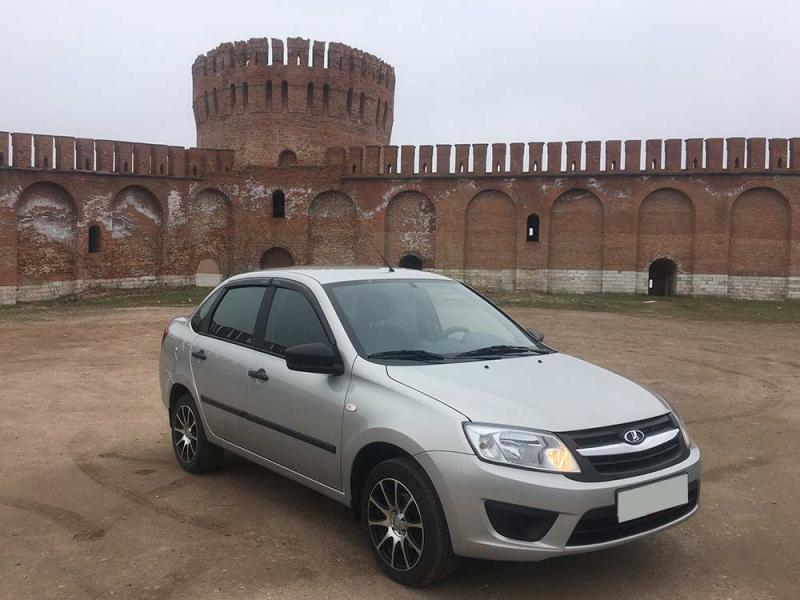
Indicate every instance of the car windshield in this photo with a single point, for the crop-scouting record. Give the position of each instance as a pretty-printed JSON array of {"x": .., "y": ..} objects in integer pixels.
[{"x": 426, "y": 321}]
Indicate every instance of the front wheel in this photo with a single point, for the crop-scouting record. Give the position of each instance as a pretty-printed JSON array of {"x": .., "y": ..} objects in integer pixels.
[
  {"x": 194, "y": 452},
  {"x": 405, "y": 524}
]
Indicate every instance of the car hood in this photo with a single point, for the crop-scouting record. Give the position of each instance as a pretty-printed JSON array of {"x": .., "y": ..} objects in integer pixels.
[{"x": 553, "y": 392}]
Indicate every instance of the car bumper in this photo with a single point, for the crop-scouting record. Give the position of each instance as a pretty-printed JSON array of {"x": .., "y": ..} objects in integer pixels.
[{"x": 465, "y": 483}]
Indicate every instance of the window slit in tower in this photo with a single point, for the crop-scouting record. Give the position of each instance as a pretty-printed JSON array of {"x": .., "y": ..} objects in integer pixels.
[
  {"x": 233, "y": 95},
  {"x": 535, "y": 166},
  {"x": 310, "y": 97},
  {"x": 245, "y": 94},
  {"x": 326, "y": 98},
  {"x": 694, "y": 163},
  {"x": 613, "y": 165},
  {"x": 205, "y": 101},
  {"x": 216, "y": 104},
  {"x": 350, "y": 101},
  {"x": 268, "y": 95},
  {"x": 45, "y": 163},
  {"x": 88, "y": 165},
  {"x": 736, "y": 163},
  {"x": 780, "y": 163},
  {"x": 285, "y": 95},
  {"x": 362, "y": 101}
]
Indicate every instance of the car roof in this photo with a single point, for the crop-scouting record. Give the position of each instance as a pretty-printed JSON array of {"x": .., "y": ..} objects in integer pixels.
[{"x": 330, "y": 274}]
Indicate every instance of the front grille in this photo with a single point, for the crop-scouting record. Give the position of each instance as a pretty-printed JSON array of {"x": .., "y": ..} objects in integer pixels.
[
  {"x": 622, "y": 464},
  {"x": 600, "y": 524},
  {"x": 630, "y": 464}
]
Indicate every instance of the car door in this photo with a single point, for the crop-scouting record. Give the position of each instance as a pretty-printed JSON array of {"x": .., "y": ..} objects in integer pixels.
[
  {"x": 296, "y": 418},
  {"x": 220, "y": 355}
]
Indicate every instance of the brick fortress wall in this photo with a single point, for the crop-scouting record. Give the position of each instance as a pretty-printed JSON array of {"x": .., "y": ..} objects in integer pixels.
[{"x": 575, "y": 216}]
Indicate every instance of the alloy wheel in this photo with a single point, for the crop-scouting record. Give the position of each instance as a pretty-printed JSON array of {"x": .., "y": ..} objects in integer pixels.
[
  {"x": 395, "y": 524},
  {"x": 184, "y": 433}
]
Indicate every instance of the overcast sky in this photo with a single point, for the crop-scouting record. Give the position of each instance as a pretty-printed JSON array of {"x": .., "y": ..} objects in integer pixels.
[{"x": 467, "y": 71}]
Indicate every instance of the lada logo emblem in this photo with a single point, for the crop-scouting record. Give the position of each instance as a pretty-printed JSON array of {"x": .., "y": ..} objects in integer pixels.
[{"x": 634, "y": 436}]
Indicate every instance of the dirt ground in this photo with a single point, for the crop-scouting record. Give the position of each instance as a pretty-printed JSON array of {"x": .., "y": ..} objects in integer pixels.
[{"x": 92, "y": 503}]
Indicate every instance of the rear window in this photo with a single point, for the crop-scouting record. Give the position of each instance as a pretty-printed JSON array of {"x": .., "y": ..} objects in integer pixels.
[{"x": 235, "y": 316}]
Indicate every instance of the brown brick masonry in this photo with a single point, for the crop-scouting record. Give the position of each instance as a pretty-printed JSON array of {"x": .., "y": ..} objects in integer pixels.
[{"x": 311, "y": 177}]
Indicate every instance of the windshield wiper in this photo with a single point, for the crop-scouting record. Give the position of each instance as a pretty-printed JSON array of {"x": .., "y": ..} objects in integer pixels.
[
  {"x": 501, "y": 349},
  {"x": 423, "y": 355}
]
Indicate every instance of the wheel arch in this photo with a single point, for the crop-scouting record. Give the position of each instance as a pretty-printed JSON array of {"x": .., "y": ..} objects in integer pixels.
[
  {"x": 176, "y": 391},
  {"x": 364, "y": 461}
]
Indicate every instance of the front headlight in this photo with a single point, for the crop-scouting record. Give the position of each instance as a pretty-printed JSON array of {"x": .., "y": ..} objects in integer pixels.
[{"x": 520, "y": 448}]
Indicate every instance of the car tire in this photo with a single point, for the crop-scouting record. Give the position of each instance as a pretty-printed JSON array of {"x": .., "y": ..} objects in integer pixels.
[
  {"x": 405, "y": 524},
  {"x": 193, "y": 451}
]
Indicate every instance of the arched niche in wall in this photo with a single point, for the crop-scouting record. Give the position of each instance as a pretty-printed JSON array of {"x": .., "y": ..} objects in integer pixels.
[
  {"x": 46, "y": 224},
  {"x": 332, "y": 229},
  {"x": 489, "y": 228},
  {"x": 136, "y": 235},
  {"x": 576, "y": 242},
  {"x": 211, "y": 226},
  {"x": 759, "y": 243},
  {"x": 410, "y": 227},
  {"x": 276, "y": 257},
  {"x": 666, "y": 228}
]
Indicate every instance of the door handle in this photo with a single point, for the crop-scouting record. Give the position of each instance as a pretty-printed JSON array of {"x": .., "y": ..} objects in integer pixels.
[
  {"x": 199, "y": 354},
  {"x": 260, "y": 374}
]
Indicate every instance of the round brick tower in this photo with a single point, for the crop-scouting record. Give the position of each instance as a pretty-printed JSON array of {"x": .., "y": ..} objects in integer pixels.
[{"x": 277, "y": 108}]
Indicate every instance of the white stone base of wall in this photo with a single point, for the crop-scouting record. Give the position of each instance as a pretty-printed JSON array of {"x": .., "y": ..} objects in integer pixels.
[
  {"x": 574, "y": 281},
  {"x": 628, "y": 282},
  {"x": 491, "y": 279},
  {"x": 709, "y": 285},
  {"x": 619, "y": 282},
  {"x": 532, "y": 280},
  {"x": 758, "y": 288},
  {"x": 207, "y": 279},
  {"x": 793, "y": 292},
  {"x": 54, "y": 289}
]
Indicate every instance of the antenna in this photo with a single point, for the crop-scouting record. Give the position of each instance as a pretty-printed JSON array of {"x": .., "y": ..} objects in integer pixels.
[{"x": 383, "y": 258}]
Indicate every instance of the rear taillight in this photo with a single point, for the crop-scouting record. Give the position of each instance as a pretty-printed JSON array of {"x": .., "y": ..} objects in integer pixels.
[{"x": 164, "y": 335}]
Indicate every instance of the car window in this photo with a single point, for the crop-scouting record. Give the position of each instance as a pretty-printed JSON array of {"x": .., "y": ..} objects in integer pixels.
[
  {"x": 235, "y": 316},
  {"x": 204, "y": 310},
  {"x": 291, "y": 321},
  {"x": 432, "y": 316}
]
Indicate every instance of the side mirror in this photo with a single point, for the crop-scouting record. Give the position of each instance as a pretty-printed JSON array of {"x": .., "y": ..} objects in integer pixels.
[
  {"x": 315, "y": 357},
  {"x": 536, "y": 334}
]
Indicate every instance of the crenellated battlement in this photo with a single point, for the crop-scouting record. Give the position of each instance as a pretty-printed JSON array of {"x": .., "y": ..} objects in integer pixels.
[
  {"x": 65, "y": 153},
  {"x": 263, "y": 53},
  {"x": 653, "y": 156},
  {"x": 264, "y": 97}
]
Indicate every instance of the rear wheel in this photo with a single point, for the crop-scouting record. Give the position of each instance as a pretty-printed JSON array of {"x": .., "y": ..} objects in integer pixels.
[
  {"x": 405, "y": 524},
  {"x": 192, "y": 449}
]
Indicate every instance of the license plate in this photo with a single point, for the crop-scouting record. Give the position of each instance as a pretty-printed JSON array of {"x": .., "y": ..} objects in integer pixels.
[{"x": 653, "y": 497}]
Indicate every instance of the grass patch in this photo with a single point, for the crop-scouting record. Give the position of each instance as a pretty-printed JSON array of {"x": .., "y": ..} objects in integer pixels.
[
  {"x": 110, "y": 298},
  {"x": 686, "y": 307}
]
